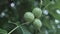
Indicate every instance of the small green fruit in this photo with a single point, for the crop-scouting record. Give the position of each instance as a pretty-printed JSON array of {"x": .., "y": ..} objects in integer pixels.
[
  {"x": 37, "y": 24},
  {"x": 37, "y": 12},
  {"x": 29, "y": 17}
]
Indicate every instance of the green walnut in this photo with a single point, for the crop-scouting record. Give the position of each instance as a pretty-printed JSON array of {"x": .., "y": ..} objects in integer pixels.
[
  {"x": 37, "y": 23},
  {"x": 29, "y": 17},
  {"x": 37, "y": 12}
]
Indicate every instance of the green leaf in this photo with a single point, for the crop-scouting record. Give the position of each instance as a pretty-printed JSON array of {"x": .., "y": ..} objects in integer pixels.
[
  {"x": 46, "y": 2},
  {"x": 25, "y": 31},
  {"x": 8, "y": 26},
  {"x": 17, "y": 31},
  {"x": 46, "y": 22},
  {"x": 52, "y": 11},
  {"x": 21, "y": 30},
  {"x": 58, "y": 31},
  {"x": 2, "y": 31},
  {"x": 55, "y": 15},
  {"x": 31, "y": 28},
  {"x": 57, "y": 4}
]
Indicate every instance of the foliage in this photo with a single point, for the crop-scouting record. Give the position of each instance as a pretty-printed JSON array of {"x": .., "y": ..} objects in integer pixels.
[{"x": 12, "y": 16}]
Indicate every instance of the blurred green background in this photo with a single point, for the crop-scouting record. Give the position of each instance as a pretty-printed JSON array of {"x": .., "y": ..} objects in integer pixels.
[{"x": 12, "y": 12}]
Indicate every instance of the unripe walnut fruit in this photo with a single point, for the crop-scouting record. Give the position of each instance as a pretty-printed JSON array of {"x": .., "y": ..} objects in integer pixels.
[
  {"x": 37, "y": 23},
  {"x": 29, "y": 17},
  {"x": 37, "y": 12}
]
